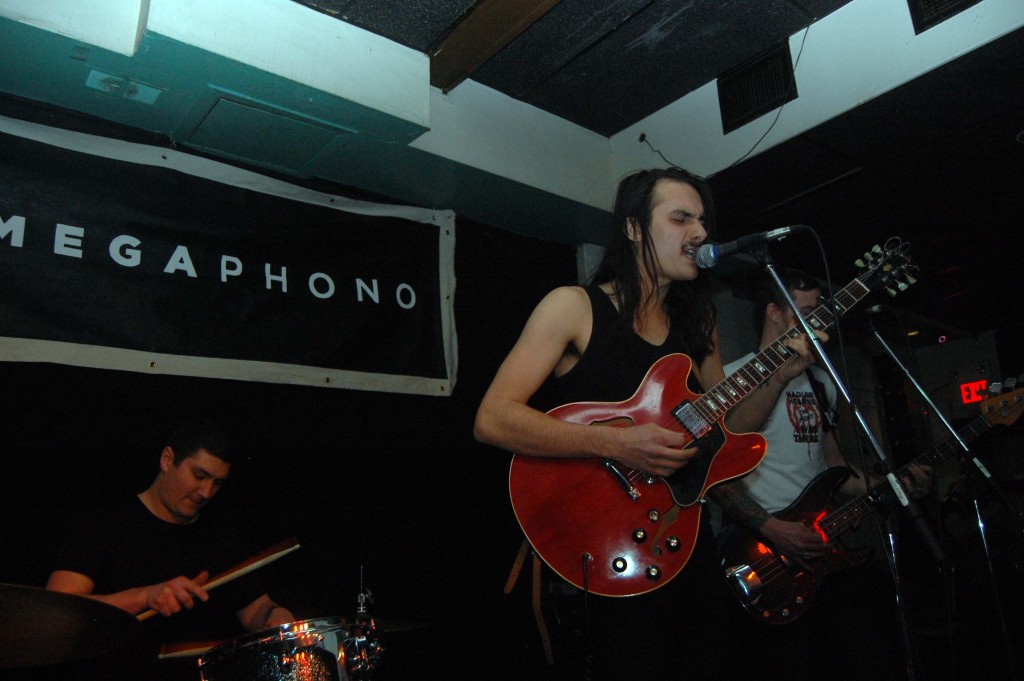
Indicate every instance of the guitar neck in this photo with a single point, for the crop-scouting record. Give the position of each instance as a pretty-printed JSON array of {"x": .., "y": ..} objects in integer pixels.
[
  {"x": 849, "y": 515},
  {"x": 714, "y": 404}
]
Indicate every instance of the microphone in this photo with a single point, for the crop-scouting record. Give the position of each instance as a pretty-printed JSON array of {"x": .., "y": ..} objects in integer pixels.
[{"x": 708, "y": 255}]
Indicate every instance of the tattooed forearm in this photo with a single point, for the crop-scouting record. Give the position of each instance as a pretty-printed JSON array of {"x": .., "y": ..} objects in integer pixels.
[{"x": 734, "y": 499}]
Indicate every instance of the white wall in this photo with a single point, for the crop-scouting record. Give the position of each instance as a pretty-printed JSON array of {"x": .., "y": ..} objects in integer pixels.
[{"x": 858, "y": 52}]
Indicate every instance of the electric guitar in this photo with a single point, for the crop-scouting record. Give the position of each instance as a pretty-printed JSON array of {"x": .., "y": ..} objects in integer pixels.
[
  {"x": 615, "y": 531},
  {"x": 775, "y": 589}
]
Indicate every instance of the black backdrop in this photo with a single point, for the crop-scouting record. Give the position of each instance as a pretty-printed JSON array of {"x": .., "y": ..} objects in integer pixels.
[{"x": 394, "y": 484}]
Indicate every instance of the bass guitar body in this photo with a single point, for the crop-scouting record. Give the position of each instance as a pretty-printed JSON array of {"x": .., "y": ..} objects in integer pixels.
[
  {"x": 771, "y": 586},
  {"x": 615, "y": 531}
]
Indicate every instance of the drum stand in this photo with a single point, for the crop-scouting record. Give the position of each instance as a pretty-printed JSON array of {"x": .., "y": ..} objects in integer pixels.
[{"x": 365, "y": 637}]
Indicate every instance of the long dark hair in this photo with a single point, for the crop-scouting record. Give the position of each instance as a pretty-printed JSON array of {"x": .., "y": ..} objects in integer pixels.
[{"x": 689, "y": 306}]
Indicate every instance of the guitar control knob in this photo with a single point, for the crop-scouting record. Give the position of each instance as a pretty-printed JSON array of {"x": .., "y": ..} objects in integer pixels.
[
  {"x": 673, "y": 544},
  {"x": 799, "y": 600},
  {"x": 785, "y": 612},
  {"x": 653, "y": 572},
  {"x": 619, "y": 564},
  {"x": 639, "y": 535},
  {"x": 653, "y": 515}
]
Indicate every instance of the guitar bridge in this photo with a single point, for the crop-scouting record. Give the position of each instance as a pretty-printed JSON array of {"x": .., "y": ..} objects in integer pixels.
[{"x": 745, "y": 582}]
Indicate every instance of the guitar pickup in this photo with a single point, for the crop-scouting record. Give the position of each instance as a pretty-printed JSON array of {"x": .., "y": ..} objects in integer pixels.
[{"x": 691, "y": 419}]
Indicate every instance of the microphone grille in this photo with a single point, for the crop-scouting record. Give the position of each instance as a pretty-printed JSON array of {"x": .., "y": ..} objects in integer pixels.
[{"x": 706, "y": 257}]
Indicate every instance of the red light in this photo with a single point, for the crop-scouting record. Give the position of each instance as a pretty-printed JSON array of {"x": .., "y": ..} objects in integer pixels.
[
  {"x": 817, "y": 528},
  {"x": 972, "y": 391}
]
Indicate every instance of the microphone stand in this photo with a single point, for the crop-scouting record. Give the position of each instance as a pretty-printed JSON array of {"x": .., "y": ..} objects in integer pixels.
[
  {"x": 908, "y": 646},
  {"x": 968, "y": 456}
]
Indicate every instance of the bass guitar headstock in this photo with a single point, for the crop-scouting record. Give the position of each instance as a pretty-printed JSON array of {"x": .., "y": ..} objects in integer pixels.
[
  {"x": 1004, "y": 408},
  {"x": 887, "y": 267}
]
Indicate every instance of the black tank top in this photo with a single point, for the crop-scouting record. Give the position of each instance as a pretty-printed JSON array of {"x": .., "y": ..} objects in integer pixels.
[
  {"x": 676, "y": 630},
  {"x": 617, "y": 358}
]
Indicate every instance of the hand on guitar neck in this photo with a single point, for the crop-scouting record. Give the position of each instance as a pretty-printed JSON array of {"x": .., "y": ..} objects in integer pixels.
[
  {"x": 761, "y": 567},
  {"x": 801, "y": 543}
]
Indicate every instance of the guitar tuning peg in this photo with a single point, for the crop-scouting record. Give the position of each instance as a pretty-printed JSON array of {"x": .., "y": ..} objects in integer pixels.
[
  {"x": 995, "y": 387},
  {"x": 901, "y": 286},
  {"x": 859, "y": 263},
  {"x": 1011, "y": 383},
  {"x": 892, "y": 293},
  {"x": 911, "y": 279},
  {"x": 877, "y": 250}
]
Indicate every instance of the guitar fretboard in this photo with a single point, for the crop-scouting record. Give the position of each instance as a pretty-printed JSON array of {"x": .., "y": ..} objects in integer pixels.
[
  {"x": 848, "y": 515},
  {"x": 714, "y": 404}
]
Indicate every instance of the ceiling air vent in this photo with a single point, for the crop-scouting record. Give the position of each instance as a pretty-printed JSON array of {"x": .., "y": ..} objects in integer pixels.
[
  {"x": 756, "y": 87},
  {"x": 928, "y": 13}
]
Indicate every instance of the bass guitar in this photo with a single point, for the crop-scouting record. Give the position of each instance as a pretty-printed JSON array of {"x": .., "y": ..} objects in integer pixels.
[
  {"x": 615, "y": 531},
  {"x": 775, "y": 589}
]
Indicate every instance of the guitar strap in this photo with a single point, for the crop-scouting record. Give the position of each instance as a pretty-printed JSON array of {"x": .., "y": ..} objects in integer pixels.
[
  {"x": 828, "y": 414},
  {"x": 535, "y": 593}
]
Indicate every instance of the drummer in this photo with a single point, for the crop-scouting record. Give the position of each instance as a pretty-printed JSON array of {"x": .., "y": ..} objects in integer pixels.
[{"x": 153, "y": 551}]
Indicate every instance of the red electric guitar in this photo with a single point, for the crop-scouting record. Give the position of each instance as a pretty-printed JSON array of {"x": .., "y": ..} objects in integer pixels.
[
  {"x": 616, "y": 531},
  {"x": 776, "y": 590}
]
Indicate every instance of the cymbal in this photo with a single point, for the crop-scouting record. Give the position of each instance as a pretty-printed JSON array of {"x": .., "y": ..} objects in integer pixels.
[{"x": 39, "y": 627}]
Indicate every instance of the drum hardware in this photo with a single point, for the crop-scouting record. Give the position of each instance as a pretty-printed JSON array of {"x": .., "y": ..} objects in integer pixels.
[
  {"x": 366, "y": 645},
  {"x": 330, "y": 649}
]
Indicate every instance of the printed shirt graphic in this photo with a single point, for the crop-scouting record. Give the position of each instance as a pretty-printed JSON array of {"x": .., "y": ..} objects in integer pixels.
[
  {"x": 794, "y": 434},
  {"x": 805, "y": 416}
]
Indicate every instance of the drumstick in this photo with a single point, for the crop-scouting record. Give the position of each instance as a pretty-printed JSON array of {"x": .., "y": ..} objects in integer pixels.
[
  {"x": 169, "y": 651},
  {"x": 262, "y": 558}
]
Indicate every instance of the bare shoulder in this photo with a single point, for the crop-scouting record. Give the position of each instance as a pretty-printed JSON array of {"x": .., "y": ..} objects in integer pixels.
[
  {"x": 567, "y": 297},
  {"x": 561, "y": 320},
  {"x": 563, "y": 307}
]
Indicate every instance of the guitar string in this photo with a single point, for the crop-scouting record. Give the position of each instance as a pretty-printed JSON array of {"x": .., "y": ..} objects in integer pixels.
[
  {"x": 739, "y": 388},
  {"x": 755, "y": 375},
  {"x": 849, "y": 514},
  {"x": 771, "y": 567}
]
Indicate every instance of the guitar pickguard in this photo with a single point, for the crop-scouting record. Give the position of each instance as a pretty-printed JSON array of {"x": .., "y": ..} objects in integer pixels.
[{"x": 688, "y": 483}]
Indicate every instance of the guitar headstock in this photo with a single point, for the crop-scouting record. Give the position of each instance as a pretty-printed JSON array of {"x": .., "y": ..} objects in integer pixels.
[
  {"x": 887, "y": 267},
  {"x": 1003, "y": 409}
]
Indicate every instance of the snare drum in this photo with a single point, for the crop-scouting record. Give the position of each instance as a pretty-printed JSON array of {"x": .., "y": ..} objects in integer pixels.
[{"x": 331, "y": 649}]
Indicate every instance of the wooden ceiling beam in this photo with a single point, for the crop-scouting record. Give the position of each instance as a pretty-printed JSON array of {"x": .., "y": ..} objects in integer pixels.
[{"x": 490, "y": 26}]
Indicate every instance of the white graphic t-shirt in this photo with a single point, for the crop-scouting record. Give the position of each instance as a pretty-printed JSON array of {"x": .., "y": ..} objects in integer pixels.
[{"x": 794, "y": 431}]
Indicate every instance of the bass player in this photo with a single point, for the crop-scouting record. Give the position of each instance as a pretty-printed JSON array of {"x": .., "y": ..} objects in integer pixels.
[{"x": 802, "y": 443}]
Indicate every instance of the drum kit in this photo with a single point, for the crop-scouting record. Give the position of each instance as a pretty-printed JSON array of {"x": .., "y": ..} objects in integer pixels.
[{"x": 328, "y": 649}]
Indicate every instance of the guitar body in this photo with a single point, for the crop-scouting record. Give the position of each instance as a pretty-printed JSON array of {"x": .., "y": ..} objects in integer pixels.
[
  {"x": 636, "y": 542},
  {"x": 770, "y": 586}
]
